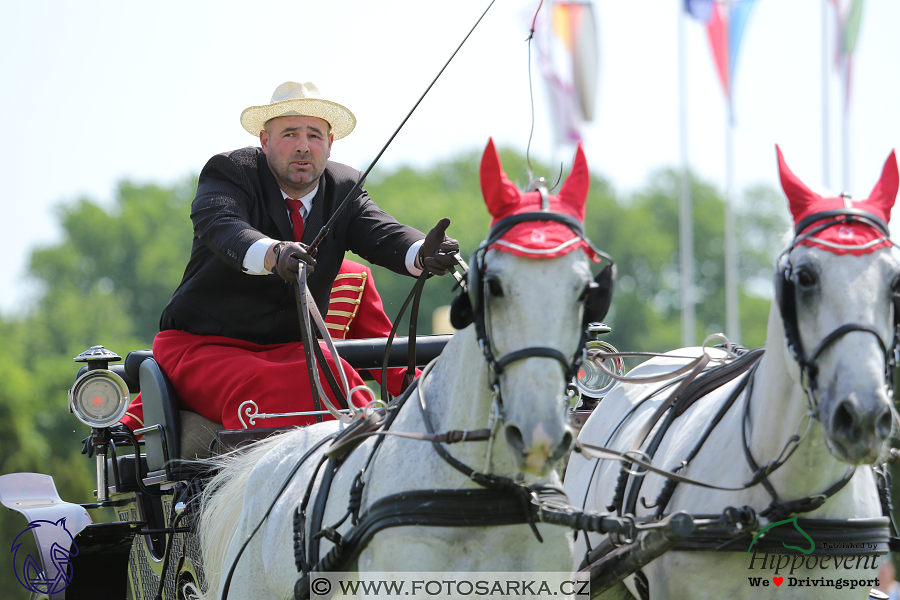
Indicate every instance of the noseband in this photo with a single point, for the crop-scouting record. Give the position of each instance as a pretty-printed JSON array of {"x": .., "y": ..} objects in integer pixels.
[{"x": 786, "y": 298}]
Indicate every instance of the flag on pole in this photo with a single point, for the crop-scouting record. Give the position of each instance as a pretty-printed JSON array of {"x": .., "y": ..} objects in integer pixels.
[
  {"x": 849, "y": 15},
  {"x": 725, "y": 23},
  {"x": 568, "y": 60},
  {"x": 699, "y": 9}
]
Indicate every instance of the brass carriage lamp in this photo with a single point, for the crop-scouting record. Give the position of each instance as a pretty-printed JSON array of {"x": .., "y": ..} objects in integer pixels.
[{"x": 99, "y": 398}]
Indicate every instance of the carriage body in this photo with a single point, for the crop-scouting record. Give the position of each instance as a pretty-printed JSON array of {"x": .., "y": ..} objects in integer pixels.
[{"x": 111, "y": 555}]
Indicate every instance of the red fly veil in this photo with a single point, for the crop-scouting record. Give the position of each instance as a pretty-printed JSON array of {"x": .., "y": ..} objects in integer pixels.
[
  {"x": 855, "y": 238},
  {"x": 535, "y": 239}
]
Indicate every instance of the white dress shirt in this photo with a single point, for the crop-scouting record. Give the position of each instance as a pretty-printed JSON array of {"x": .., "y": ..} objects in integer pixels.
[{"x": 255, "y": 258}]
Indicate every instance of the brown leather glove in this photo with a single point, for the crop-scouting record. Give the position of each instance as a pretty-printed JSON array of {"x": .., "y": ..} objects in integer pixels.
[
  {"x": 437, "y": 252},
  {"x": 288, "y": 256}
]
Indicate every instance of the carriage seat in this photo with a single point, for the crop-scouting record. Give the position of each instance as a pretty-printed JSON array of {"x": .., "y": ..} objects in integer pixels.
[{"x": 171, "y": 435}]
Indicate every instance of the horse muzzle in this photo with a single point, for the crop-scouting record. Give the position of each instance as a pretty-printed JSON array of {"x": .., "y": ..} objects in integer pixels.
[
  {"x": 537, "y": 452},
  {"x": 857, "y": 427}
]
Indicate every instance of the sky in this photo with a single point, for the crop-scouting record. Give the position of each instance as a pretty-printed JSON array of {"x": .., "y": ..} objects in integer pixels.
[{"x": 96, "y": 92}]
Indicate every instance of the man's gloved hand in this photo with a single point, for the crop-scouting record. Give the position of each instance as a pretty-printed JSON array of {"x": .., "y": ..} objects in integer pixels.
[
  {"x": 88, "y": 448},
  {"x": 436, "y": 253},
  {"x": 288, "y": 256}
]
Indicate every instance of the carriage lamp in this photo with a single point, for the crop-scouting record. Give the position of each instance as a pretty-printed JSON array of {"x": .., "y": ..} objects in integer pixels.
[
  {"x": 591, "y": 379},
  {"x": 99, "y": 397}
]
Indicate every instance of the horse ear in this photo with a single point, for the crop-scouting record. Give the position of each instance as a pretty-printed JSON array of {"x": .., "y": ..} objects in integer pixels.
[
  {"x": 885, "y": 191},
  {"x": 500, "y": 195},
  {"x": 799, "y": 196},
  {"x": 575, "y": 189}
]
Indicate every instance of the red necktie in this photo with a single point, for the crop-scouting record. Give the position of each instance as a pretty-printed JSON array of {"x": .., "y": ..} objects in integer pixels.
[{"x": 296, "y": 218}]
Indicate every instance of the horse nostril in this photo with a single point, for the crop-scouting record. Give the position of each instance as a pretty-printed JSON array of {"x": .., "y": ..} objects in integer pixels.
[
  {"x": 514, "y": 439},
  {"x": 563, "y": 447},
  {"x": 844, "y": 420}
]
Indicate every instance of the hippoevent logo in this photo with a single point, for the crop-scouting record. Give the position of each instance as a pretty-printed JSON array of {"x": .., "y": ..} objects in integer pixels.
[
  {"x": 782, "y": 566},
  {"x": 27, "y": 568}
]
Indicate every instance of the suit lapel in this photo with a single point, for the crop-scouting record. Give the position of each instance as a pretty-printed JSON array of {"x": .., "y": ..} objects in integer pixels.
[
  {"x": 316, "y": 217},
  {"x": 274, "y": 201}
]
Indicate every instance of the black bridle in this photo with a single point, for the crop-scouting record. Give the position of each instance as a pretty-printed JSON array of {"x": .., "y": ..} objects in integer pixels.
[
  {"x": 785, "y": 296},
  {"x": 470, "y": 306}
]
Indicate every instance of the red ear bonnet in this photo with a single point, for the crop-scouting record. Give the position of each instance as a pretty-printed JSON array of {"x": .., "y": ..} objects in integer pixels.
[
  {"x": 856, "y": 238},
  {"x": 535, "y": 239}
]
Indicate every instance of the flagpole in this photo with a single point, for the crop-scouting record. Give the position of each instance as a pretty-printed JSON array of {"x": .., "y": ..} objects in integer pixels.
[
  {"x": 686, "y": 211},
  {"x": 826, "y": 137},
  {"x": 845, "y": 127},
  {"x": 732, "y": 301}
]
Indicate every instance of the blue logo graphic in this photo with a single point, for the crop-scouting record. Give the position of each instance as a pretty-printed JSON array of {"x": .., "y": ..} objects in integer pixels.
[{"x": 28, "y": 569}]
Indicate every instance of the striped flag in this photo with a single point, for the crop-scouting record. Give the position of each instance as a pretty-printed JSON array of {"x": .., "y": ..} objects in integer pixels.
[
  {"x": 849, "y": 15},
  {"x": 568, "y": 59},
  {"x": 725, "y": 23}
]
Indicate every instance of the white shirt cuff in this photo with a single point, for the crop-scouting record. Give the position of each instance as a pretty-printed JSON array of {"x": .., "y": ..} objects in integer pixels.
[
  {"x": 255, "y": 258},
  {"x": 411, "y": 256}
]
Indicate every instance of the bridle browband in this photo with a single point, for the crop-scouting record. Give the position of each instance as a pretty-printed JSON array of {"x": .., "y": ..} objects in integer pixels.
[
  {"x": 786, "y": 298},
  {"x": 849, "y": 214}
]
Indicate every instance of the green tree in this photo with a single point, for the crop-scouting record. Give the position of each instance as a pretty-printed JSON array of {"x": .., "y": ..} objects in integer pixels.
[{"x": 105, "y": 283}]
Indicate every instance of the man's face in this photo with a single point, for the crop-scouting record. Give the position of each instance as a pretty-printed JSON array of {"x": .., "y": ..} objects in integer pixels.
[{"x": 296, "y": 149}]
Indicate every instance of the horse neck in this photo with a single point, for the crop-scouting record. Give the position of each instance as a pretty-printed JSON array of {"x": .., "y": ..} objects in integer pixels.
[
  {"x": 458, "y": 397},
  {"x": 777, "y": 407}
]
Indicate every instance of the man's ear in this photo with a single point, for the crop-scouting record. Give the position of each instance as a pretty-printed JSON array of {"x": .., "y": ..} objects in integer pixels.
[{"x": 264, "y": 141}]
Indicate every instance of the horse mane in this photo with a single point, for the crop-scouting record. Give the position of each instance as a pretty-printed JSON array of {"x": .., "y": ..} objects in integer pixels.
[{"x": 223, "y": 497}]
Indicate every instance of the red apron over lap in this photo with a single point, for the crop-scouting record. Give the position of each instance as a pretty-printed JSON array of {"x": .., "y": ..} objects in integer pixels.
[{"x": 214, "y": 375}]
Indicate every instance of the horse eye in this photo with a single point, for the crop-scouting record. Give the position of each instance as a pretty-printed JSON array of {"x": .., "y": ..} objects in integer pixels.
[
  {"x": 806, "y": 278},
  {"x": 494, "y": 288}
]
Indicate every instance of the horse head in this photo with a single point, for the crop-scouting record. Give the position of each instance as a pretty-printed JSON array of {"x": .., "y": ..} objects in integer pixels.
[
  {"x": 527, "y": 290},
  {"x": 835, "y": 290}
]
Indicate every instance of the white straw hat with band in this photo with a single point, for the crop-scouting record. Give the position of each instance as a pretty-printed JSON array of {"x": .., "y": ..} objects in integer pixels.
[{"x": 300, "y": 99}]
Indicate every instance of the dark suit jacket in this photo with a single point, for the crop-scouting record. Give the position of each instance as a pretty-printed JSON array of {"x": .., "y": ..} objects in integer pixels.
[{"x": 239, "y": 202}]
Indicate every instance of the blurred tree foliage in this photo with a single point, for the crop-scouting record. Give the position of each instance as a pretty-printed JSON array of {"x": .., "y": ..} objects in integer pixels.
[
  {"x": 108, "y": 280},
  {"x": 640, "y": 232}
]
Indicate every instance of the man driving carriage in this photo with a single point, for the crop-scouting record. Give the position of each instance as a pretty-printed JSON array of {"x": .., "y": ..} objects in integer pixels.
[{"x": 231, "y": 330}]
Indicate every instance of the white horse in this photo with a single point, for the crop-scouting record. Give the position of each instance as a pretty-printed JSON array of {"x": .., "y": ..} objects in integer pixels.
[
  {"x": 527, "y": 303},
  {"x": 845, "y": 278}
]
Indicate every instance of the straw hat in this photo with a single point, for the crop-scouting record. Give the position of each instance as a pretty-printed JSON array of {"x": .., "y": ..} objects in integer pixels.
[{"x": 303, "y": 99}]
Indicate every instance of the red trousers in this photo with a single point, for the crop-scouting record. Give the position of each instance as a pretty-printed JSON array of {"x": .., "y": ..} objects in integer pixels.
[{"x": 214, "y": 375}]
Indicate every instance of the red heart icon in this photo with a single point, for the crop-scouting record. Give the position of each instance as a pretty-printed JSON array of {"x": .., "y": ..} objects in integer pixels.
[{"x": 778, "y": 580}]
